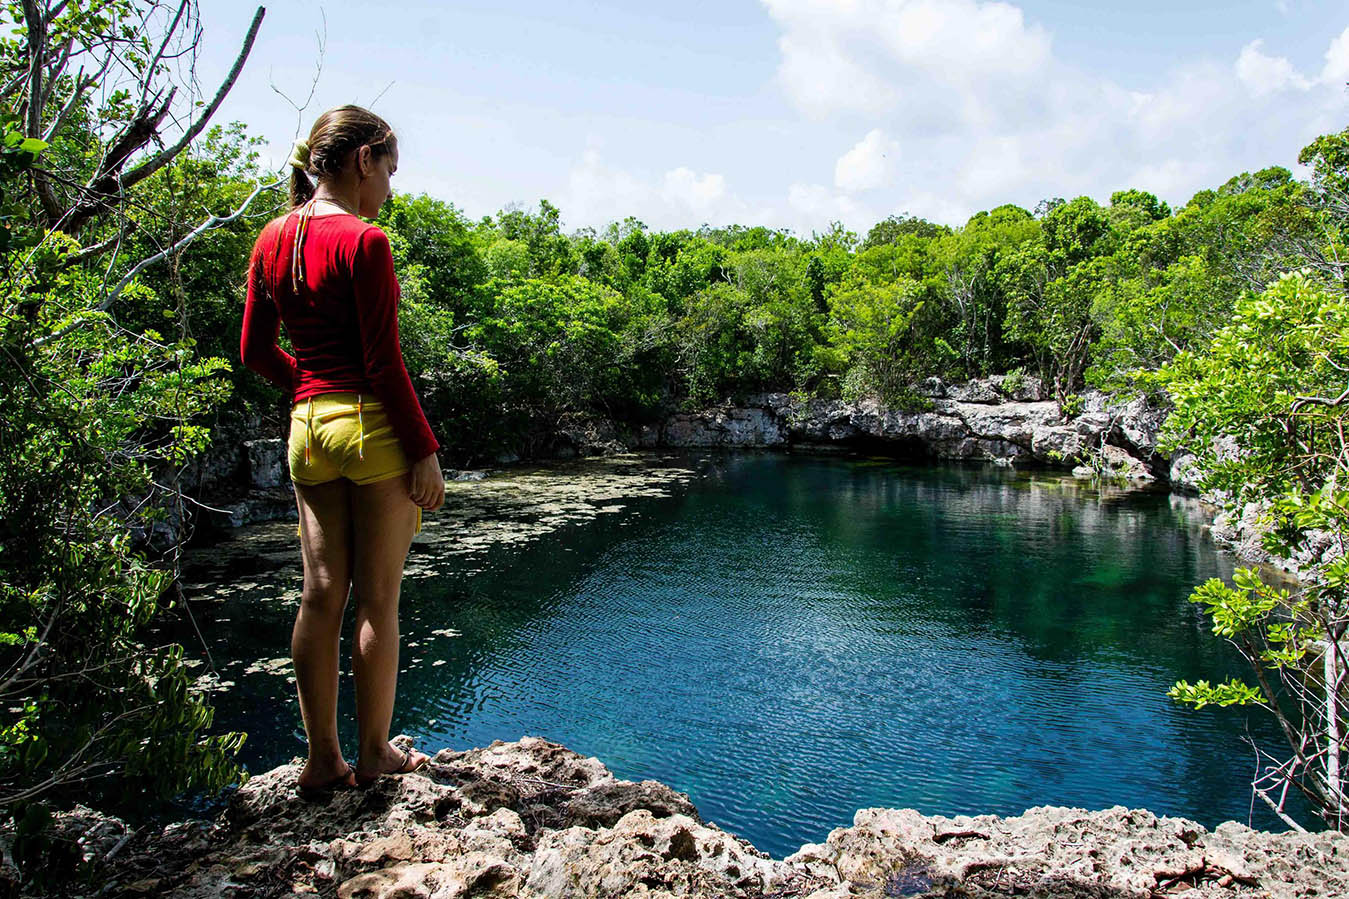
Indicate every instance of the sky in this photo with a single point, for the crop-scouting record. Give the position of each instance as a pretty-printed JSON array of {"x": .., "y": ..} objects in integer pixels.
[{"x": 796, "y": 113}]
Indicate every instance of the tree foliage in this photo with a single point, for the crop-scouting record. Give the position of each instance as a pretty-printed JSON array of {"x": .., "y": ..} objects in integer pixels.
[
  {"x": 107, "y": 395},
  {"x": 1263, "y": 407}
]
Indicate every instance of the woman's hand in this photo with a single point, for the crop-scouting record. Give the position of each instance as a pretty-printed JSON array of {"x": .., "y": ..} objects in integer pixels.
[{"x": 427, "y": 484}]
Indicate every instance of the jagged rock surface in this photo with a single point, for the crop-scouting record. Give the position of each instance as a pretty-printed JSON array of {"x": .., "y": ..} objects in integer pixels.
[
  {"x": 1063, "y": 852},
  {"x": 533, "y": 819},
  {"x": 994, "y": 419}
]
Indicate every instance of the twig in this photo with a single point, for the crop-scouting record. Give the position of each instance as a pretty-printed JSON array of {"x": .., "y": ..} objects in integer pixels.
[
  {"x": 210, "y": 224},
  {"x": 161, "y": 159}
]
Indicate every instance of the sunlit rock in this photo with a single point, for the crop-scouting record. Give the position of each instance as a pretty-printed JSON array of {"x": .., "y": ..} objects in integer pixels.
[{"x": 533, "y": 819}]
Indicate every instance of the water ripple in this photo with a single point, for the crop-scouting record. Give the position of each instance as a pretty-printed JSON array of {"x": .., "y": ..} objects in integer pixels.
[{"x": 789, "y": 640}]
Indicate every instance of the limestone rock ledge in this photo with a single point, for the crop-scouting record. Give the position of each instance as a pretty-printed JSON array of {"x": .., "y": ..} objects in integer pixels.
[
  {"x": 982, "y": 420},
  {"x": 534, "y": 819}
]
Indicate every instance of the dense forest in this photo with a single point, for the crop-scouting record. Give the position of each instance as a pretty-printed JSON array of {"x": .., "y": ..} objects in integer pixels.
[
  {"x": 124, "y": 246},
  {"x": 510, "y": 321}
]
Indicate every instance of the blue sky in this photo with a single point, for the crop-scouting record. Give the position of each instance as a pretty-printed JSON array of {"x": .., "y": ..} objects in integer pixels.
[{"x": 795, "y": 113}]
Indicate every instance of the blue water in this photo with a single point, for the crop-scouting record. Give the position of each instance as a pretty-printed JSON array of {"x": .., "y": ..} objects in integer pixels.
[{"x": 788, "y": 639}]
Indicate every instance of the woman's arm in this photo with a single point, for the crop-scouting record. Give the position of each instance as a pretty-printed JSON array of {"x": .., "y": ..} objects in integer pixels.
[
  {"x": 376, "y": 290},
  {"x": 262, "y": 326}
]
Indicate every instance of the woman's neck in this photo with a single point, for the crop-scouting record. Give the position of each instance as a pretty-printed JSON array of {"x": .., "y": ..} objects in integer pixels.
[{"x": 343, "y": 196}]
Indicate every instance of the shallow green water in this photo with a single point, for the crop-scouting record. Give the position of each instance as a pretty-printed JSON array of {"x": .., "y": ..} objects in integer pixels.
[{"x": 788, "y": 639}]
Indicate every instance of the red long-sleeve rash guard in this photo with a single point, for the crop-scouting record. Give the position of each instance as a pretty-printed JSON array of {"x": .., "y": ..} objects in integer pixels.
[{"x": 343, "y": 323}]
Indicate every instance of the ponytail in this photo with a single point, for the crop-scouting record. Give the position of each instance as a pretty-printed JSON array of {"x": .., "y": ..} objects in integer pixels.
[{"x": 301, "y": 188}]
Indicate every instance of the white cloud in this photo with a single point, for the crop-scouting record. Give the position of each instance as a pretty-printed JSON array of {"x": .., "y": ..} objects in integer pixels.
[
  {"x": 873, "y": 56},
  {"x": 598, "y": 193},
  {"x": 870, "y": 163},
  {"x": 1264, "y": 74},
  {"x": 814, "y": 207},
  {"x": 1336, "y": 70},
  {"x": 995, "y": 166},
  {"x": 987, "y": 115},
  {"x": 685, "y": 187},
  {"x": 821, "y": 79},
  {"x": 1168, "y": 177}
]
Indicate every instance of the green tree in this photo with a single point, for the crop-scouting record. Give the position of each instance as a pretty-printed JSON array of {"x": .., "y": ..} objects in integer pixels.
[
  {"x": 433, "y": 242},
  {"x": 872, "y": 338},
  {"x": 1271, "y": 384},
  {"x": 1327, "y": 249},
  {"x": 1051, "y": 287},
  {"x": 894, "y": 227},
  {"x": 102, "y": 410},
  {"x": 963, "y": 269}
]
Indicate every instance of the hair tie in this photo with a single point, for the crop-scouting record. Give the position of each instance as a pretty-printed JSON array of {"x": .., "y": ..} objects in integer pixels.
[{"x": 299, "y": 155}]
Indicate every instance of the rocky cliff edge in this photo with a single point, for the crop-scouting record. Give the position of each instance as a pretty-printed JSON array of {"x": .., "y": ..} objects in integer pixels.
[{"x": 534, "y": 819}]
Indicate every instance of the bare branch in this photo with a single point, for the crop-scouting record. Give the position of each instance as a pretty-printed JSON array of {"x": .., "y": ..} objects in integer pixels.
[
  {"x": 54, "y": 74},
  {"x": 105, "y": 185},
  {"x": 150, "y": 166},
  {"x": 97, "y": 249},
  {"x": 1283, "y": 816},
  {"x": 322, "y": 35},
  {"x": 108, "y": 186},
  {"x": 37, "y": 52},
  {"x": 159, "y": 54},
  {"x": 82, "y": 84},
  {"x": 380, "y": 94},
  {"x": 210, "y": 224},
  {"x": 21, "y": 77},
  {"x": 55, "y": 11},
  {"x": 135, "y": 135},
  {"x": 1320, "y": 401}
]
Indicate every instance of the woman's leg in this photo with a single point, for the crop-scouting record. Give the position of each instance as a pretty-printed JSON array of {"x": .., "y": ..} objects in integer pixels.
[
  {"x": 325, "y": 540},
  {"x": 383, "y": 519}
]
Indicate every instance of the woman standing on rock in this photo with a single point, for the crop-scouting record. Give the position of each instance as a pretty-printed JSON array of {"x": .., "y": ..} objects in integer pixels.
[{"x": 362, "y": 455}]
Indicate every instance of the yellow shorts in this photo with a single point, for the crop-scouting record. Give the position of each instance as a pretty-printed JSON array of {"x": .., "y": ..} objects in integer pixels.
[{"x": 343, "y": 435}]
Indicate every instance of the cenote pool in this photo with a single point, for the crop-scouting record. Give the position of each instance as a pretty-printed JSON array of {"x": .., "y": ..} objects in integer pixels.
[{"x": 788, "y": 638}]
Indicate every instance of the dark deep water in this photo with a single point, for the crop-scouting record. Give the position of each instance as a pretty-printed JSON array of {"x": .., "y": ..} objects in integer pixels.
[{"x": 788, "y": 639}]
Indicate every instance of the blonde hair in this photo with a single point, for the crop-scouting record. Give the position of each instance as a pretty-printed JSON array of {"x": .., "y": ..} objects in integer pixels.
[{"x": 334, "y": 136}]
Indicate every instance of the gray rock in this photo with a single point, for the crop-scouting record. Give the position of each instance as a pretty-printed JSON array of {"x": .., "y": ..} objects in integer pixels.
[
  {"x": 648, "y": 437},
  {"x": 975, "y": 421},
  {"x": 1184, "y": 473},
  {"x": 1140, "y": 422},
  {"x": 1024, "y": 389},
  {"x": 684, "y": 856},
  {"x": 533, "y": 819},
  {"x": 1012, "y": 423},
  {"x": 585, "y": 435},
  {"x": 932, "y": 387},
  {"x": 267, "y": 463},
  {"x": 464, "y": 475},
  {"x": 1064, "y": 852},
  {"x": 729, "y": 426},
  {"x": 270, "y": 504},
  {"x": 977, "y": 391},
  {"x": 1117, "y": 462}
]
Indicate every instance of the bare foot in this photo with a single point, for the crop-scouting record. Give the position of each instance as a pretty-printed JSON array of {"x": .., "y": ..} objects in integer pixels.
[
  {"x": 328, "y": 774},
  {"x": 392, "y": 760}
]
